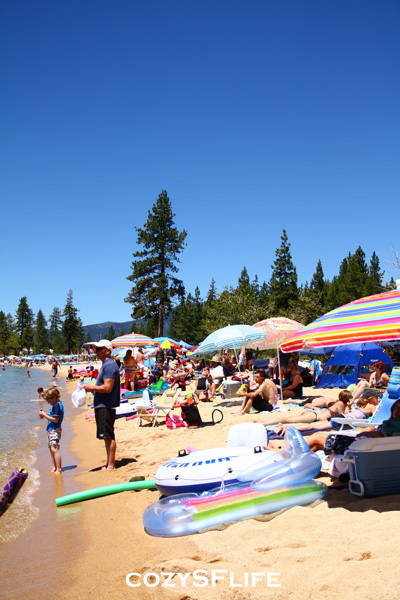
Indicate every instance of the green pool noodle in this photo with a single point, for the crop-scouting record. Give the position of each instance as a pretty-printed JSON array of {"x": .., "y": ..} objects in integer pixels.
[{"x": 105, "y": 491}]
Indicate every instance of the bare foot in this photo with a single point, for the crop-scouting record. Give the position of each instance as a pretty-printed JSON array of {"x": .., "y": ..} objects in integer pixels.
[{"x": 106, "y": 468}]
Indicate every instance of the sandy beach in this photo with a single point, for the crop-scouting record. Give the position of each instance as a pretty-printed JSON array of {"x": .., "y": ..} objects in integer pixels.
[{"x": 341, "y": 545}]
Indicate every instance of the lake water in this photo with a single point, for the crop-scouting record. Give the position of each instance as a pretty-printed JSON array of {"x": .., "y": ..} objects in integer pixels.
[{"x": 21, "y": 431}]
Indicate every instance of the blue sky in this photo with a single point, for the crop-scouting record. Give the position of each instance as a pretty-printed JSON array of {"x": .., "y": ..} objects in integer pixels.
[{"x": 254, "y": 115}]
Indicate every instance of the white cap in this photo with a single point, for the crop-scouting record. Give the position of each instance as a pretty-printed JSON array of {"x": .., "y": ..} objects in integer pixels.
[{"x": 103, "y": 344}]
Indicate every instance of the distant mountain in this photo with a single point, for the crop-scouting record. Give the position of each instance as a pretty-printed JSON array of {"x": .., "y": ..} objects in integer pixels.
[{"x": 99, "y": 330}]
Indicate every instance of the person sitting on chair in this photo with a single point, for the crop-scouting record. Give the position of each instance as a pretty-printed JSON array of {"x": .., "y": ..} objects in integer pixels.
[
  {"x": 295, "y": 387},
  {"x": 379, "y": 379},
  {"x": 204, "y": 385},
  {"x": 216, "y": 372}
]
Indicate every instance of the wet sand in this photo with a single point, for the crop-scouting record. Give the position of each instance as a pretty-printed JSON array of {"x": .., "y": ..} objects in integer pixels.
[{"x": 54, "y": 540}]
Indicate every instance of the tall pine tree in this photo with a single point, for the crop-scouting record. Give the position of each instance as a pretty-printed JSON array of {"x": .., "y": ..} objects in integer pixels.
[
  {"x": 72, "y": 328},
  {"x": 24, "y": 324},
  {"x": 155, "y": 285},
  {"x": 55, "y": 323},
  {"x": 41, "y": 339},
  {"x": 282, "y": 287}
]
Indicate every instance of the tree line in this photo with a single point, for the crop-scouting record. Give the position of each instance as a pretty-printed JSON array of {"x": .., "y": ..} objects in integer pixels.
[
  {"x": 62, "y": 332},
  {"x": 157, "y": 294},
  {"x": 157, "y": 291}
]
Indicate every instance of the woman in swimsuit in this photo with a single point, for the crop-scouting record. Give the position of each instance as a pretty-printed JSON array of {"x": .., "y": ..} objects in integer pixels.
[
  {"x": 364, "y": 408},
  {"x": 295, "y": 387},
  {"x": 311, "y": 416},
  {"x": 379, "y": 379},
  {"x": 130, "y": 367}
]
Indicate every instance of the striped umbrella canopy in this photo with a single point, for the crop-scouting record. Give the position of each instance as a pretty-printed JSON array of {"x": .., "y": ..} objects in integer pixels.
[
  {"x": 166, "y": 339},
  {"x": 232, "y": 336},
  {"x": 133, "y": 339},
  {"x": 277, "y": 330},
  {"x": 370, "y": 319}
]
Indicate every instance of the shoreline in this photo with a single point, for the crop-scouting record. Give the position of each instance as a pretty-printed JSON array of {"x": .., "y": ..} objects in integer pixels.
[{"x": 50, "y": 542}]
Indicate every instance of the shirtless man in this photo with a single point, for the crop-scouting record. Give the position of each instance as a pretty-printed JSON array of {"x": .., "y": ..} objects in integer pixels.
[{"x": 262, "y": 398}]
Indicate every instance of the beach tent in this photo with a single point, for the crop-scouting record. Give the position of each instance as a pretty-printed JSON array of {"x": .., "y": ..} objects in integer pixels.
[{"x": 346, "y": 364}]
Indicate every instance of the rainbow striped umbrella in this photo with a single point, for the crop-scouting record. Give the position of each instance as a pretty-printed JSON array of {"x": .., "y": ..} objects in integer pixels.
[
  {"x": 277, "y": 330},
  {"x": 371, "y": 319},
  {"x": 133, "y": 339}
]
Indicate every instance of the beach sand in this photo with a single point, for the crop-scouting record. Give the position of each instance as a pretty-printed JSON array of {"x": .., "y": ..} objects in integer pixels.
[{"x": 339, "y": 546}]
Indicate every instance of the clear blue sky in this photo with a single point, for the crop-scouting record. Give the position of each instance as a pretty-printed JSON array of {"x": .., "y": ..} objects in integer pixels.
[{"x": 254, "y": 115}]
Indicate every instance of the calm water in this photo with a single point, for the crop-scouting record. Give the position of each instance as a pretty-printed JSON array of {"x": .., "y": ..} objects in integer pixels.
[{"x": 21, "y": 431}]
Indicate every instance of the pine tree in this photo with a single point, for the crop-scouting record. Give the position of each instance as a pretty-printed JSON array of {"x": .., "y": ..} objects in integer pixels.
[
  {"x": 41, "y": 339},
  {"x": 374, "y": 281},
  {"x": 283, "y": 291},
  {"x": 314, "y": 296},
  {"x": 110, "y": 335},
  {"x": 4, "y": 337},
  {"x": 122, "y": 332},
  {"x": 155, "y": 286},
  {"x": 24, "y": 324},
  {"x": 55, "y": 322},
  {"x": 72, "y": 328},
  {"x": 58, "y": 343},
  {"x": 151, "y": 328}
]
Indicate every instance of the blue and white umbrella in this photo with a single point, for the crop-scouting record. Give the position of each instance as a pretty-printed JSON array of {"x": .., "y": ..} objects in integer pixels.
[{"x": 232, "y": 336}]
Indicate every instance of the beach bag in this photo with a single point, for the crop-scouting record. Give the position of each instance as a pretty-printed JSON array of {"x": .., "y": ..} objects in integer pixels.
[
  {"x": 190, "y": 413},
  {"x": 175, "y": 421},
  {"x": 78, "y": 397}
]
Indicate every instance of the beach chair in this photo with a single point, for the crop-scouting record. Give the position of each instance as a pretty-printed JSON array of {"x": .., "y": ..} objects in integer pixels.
[
  {"x": 164, "y": 405},
  {"x": 381, "y": 414}
]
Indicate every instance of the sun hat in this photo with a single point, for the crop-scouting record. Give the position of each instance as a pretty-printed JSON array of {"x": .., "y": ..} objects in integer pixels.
[
  {"x": 103, "y": 344},
  {"x": 216, "y": 358}
]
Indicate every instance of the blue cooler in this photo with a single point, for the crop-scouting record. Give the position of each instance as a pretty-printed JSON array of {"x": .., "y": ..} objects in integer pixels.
[{"x": 374, "y": 466}]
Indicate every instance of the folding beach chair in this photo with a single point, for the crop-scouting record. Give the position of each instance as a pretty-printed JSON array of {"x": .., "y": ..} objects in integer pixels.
[{"x": 164, "y": 405}]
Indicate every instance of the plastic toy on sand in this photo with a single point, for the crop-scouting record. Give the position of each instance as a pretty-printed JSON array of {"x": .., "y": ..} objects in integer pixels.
[
  {"x": 105, "y": 491},
  {"x": 277, "y": 480},
  {"x": 11, "y": 489}
]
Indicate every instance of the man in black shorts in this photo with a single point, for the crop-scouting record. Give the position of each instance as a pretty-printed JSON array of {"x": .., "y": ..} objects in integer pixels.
[
  {"x": 106, "y": 399},
  {"x": 262, "y": 398}
]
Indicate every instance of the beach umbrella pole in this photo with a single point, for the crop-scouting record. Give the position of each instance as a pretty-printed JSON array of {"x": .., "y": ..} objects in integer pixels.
[{"x": 279, "y": 371}]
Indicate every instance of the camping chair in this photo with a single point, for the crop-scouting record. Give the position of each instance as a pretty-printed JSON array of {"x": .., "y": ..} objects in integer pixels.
[{"x": 165, "y": 404}]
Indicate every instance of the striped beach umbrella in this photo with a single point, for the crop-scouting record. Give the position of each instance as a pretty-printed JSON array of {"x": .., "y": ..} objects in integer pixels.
[
  {"x": 133, "y": 339},
  {"x": 232, "y": 336},
  {"x": 371, "y": 319},
  {"x": 277, "y": 330}
]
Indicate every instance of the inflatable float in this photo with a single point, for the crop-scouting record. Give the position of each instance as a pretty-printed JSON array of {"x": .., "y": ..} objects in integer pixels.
[
  {"x": 239, "y": 462},
  {"x": 190, "y": 513},
  {"x": 271, "y": 481},
  {"x": 11, "y": 489},
  {"x": 106, "y": 491}
]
